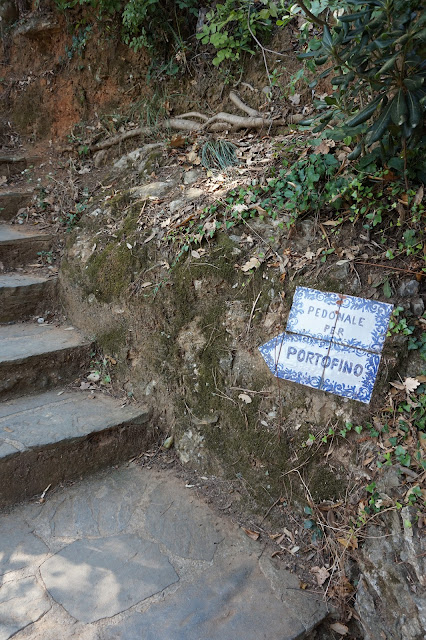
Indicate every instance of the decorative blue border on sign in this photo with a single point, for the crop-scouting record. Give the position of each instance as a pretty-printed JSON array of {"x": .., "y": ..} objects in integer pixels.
[
  {"x": 297, "y": 308},
  {"x": 381, "y": 312},
  {"x": 271, "y": 352},
  {"x": 367, "y": 345},
  {"x": 367, "y": 381}
]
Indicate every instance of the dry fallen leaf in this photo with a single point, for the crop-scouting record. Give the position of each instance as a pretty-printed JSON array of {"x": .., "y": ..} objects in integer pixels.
[
  {"x": 411, "y": 384},
  {"x": 340, "y": 628},
  {"x": 253, "y": 263},
  {"x": 419, "y": 196},
  {"x": 323, "y": 147},
  {"x": 295, "y": 99},
  {"x": 294, "y": 550},
  {"x": 254, "y": 535},
  {"x": 349, "y": 543},
  {"x": 177, "y": 142},
  {"x": 321, "y": 574},
  {"x": 192, "y": 156}
]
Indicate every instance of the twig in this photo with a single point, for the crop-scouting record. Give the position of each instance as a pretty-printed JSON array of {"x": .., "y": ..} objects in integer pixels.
[
  {"x": 275, "y": 53},
  {"x": 252, "y": 312},
  {"x": 270, "y": 509},
  {"x": 249, "y": 390},
  {"x": 261, "y": 47},
  {"x": 385, "y": 266}
]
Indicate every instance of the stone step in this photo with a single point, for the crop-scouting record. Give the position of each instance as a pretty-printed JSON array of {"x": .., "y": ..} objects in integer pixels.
[
  {"x": 11, "y": 200},
  {"x": 20, "y": 244},
  {"x": 12, "y": 164},
  {"x": 49, "y": 439},
  {"x": 22, "y": 296},
  {"x": 36, "y": 357}
]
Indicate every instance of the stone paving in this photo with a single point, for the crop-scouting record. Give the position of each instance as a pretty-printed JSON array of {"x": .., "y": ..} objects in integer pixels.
[{"x": 133, "y": 553}]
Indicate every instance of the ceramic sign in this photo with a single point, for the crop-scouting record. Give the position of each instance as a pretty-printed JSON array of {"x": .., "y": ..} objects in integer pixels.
[{"x": 332, "y": 342}]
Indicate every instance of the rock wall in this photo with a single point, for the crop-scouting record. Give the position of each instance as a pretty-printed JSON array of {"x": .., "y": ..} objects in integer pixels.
[
  {"x": 391, "y": 595},
  {"x": 187, "y": 337}
]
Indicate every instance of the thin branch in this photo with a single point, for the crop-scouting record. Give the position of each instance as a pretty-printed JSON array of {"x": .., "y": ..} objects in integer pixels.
[{"x": 310, "y": 15}]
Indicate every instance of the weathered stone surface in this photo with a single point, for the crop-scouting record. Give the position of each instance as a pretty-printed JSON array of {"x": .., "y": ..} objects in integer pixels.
[
  {"x": 152, "y": 190},
  {"x": 25, "y": 340},
  {"x": 21, "y": 603},
  {"x": 175, "y": 205},
  {"x": 340, "y": 271},
  {"x": 94, "y": 579},
  {"x": 19, "y": 245},
  {"x": 167, "y": 521},
  {"x": 92, "y": 509},
  {"x": 193, "y": 193},
  {"x": 12, "y": 200},
  {"x": 227, "y": 603},
  {"x": 19, "y": 547},
  {"x": 22, "y": 296},
  {"x": 233, "y": 596},
  {"x": 139, "y": 158},
  {"x": 286, "y": 586},
  {"x": 387, "y": 601},
  {"x": 35, "y": 357},
  {"x": 191, "y": 176},
  {"x": 62, "y": 437}
]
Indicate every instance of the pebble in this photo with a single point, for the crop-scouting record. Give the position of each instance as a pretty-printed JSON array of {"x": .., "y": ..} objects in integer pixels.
[
  {"x": 408, "y": 289},
  {"x": 417, "y": 307},
  {"x": 191, "y": 176}
]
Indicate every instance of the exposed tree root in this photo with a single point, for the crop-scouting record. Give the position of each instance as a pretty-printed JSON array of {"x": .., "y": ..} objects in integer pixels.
[
  {"x": 242, "y": 105},
  {"x": 191, "y": 122}
]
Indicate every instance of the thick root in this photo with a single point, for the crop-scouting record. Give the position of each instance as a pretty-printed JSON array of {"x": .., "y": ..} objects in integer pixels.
[{"x": 191, "y": 122}]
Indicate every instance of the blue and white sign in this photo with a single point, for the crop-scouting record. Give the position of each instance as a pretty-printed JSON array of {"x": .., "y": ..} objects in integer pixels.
[{"x": 332, "y": 342}]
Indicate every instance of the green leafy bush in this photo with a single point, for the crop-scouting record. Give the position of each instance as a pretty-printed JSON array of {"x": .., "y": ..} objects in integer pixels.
[
  {"x": 230, "y": 27},
  {"x": 375, "y": 57}
]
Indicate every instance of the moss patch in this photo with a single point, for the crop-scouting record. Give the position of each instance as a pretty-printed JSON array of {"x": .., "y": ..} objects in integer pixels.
[
  {"x": 111, "y": 342},
  {"x": 325, "y": 483},
  {"x": 110, "y": 271}
]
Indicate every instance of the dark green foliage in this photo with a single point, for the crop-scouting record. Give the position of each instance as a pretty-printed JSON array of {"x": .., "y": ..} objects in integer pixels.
[{"x": 377, "y": 54}]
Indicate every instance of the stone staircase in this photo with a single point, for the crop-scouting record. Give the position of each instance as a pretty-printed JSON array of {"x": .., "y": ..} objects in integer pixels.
[{"x": 48, "y": 433}]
